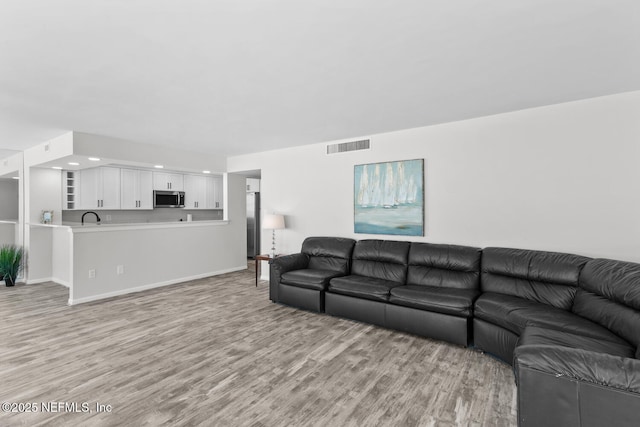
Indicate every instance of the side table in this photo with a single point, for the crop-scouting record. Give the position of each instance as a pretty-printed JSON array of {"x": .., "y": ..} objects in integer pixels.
[{"x": 259, "y": 258}]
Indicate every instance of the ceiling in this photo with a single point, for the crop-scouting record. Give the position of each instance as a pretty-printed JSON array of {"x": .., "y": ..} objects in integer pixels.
[{"x": 232, "y": 77}]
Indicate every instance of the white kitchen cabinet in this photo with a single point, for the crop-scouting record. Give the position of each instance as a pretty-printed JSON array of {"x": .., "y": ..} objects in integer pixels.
[
  {"x": 195, "y": 192},
  {"x": 253, "y": 185},
  {"x": 215, "y": 192},
  {"x": 126, "y": 188},
  {"x": 203, "y": 192},
  {"x": 168, "y": 181},
  {"x": 99, "y": 188},
  {"x": 137, "y": 189}
]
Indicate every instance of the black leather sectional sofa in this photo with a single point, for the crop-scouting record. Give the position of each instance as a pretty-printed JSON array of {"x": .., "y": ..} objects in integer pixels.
[{"x": 569, "y": 325}]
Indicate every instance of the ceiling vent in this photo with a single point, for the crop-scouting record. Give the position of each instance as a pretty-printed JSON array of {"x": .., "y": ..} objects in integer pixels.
[{"x": 343, "y": 147}]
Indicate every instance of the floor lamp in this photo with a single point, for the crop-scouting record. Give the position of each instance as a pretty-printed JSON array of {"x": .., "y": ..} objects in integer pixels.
[{"x": 273, "y": 222}]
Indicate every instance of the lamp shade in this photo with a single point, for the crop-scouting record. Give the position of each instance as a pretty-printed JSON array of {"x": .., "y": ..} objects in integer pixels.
[{"x": 273, "y": 222}]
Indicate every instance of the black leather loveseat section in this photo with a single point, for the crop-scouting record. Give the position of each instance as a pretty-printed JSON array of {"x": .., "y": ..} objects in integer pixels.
[
  {"x": 443, "y": 281},
  {"x": 300, "y": 280},
  {"x": 522, "y": 287},
  {"x": 377, "y": 267},
  {"x": 421, "y": 288},
  {"x": 609, "y": 295},
  {"x": 576, "y": 379}
]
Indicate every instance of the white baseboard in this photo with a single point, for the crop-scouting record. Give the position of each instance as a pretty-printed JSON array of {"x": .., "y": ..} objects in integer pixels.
[
  {"x": 152, "y": 286},
  {"x": 41, "y": 280},
  {"x": 61, "y": 282},
  {"x": 48, "y": 279}
]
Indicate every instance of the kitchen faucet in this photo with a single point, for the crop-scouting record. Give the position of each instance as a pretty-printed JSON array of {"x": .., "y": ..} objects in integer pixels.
[{"x": 90, "y": 212}]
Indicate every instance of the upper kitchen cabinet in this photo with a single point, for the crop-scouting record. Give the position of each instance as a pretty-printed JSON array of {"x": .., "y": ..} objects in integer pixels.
[
  {"x": 99, "y": 188},
  {"x": 202, "y": 192},
  {"x": 128, "y": 188},
  {"x": 195, "y": 192},
  {"x": 214, "y": 192},
  {"x": 253, "y": 185},
  {"x": 168, "y": 181},
  {"x": 137, "y": 189}
]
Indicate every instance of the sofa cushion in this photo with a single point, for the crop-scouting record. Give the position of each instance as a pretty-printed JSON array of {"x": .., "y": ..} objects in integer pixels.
[
  {"x": 457, "y": 302},
  {"x": 515, "y": 314},
  {"x": 618, "y": 281},
  {"x": 309, "y": 278},
  {"x": 534, "y": 335},
  {"x": 329, "y": 253},
  {"x": 610, "y": 296},
  {"x": 362, "y": 287},
  {"x": 381, "y": 259},
  {"x": 279, "y": 266},
  {"x": 448, "y": 266},
  {"x": 546, "y": 277}
]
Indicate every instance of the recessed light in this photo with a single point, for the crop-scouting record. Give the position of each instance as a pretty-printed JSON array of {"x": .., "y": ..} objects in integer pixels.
[
  {"x": 15, "y": 177},
  {"x": 56, "y": 167},
  {"x": 158, "y": 166},
  {"x": 206, "y": 171},
  {"x": 74, "y": 163},
  {"x": 94, "y": 159}
]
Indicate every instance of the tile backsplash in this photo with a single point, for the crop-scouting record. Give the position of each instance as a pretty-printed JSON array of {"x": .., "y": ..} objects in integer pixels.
[{"x": 141, "y": 216}]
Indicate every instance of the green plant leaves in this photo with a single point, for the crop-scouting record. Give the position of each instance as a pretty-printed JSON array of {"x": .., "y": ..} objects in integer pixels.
[{"x": 11, "y": 261}]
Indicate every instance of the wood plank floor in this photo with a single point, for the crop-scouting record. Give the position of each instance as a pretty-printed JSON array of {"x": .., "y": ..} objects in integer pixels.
[{"x": 216, "y": 351}]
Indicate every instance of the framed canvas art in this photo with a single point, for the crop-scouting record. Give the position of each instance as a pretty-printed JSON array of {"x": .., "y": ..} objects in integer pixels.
[{"x": 389, "y": 198}]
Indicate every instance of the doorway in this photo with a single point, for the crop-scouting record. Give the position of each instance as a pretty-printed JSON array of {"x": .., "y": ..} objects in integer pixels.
[{"x": 254, "y": 229}]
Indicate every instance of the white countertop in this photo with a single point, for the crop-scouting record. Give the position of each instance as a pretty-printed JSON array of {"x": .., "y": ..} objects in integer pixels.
[{"x": 90, "y": 227}]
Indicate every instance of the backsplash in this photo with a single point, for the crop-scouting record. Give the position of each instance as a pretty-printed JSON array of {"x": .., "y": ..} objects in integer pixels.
[{"x": 141, "y": 216}]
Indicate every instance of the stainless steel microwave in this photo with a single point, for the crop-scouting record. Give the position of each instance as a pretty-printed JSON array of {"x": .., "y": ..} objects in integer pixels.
[{"x": 168, "y": 199}]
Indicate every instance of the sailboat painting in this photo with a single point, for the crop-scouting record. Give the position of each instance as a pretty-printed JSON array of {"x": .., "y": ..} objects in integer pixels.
[{"x": 389, "y": 198}]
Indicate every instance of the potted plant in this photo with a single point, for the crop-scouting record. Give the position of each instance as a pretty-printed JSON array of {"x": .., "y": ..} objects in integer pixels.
[{"x": 10, "y": 263}]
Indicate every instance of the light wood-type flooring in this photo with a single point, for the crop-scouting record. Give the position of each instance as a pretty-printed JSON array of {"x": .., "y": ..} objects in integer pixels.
[{"x": 217, "y": 352}]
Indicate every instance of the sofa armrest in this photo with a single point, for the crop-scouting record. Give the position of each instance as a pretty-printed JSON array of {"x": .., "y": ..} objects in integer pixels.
[
  {"x": 563, "y": 386},
  {"x": 603, "y": 369},
  {"x": 281, "y": 265}
]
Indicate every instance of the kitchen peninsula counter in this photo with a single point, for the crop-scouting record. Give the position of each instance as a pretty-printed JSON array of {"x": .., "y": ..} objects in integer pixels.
[
  {"x": 135, "y": 251},
  {"x": 77, "y": 227},
  {"x": 99, "y": 261}
]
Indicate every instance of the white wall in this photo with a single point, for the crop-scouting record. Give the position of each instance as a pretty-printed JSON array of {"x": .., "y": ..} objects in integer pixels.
[
  {"x": 13, "y": 166},
  {"x": 52, "y": 149},
  {"x": 9, "y": 198},
  {"x": 44, "y": 187},
  {"x": 562, "y": 178},
  {"x": 61, "y": 255},
  {"x": 45, "y": 193},
  {"x": 39, "y": 254},
  {"x": 8, "y": 233}
]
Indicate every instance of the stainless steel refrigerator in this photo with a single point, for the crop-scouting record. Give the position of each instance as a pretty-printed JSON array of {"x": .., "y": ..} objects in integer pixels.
[{"x": 253, "y": 224}]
